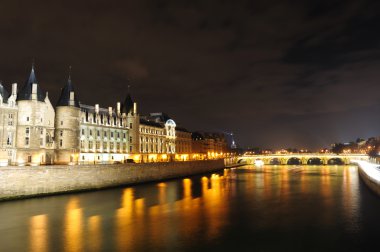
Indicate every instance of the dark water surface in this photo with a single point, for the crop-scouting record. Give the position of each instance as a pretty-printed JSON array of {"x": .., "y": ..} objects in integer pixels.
[{"x": 273, "y": 208}]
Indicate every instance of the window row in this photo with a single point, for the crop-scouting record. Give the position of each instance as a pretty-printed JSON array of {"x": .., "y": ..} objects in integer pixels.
[
  {"x": 99, "y": 145},
  {"x": 151, "y": 131}
]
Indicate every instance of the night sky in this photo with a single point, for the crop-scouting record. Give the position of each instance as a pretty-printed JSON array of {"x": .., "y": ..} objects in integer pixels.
[{"x": 276, "y": 73}]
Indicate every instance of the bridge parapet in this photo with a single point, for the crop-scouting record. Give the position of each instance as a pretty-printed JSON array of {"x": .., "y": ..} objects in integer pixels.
[{"x": 303, "y": 158}]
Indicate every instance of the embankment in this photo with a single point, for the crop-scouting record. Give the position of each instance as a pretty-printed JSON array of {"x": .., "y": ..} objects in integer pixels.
[
  {"x": 370, "y": 175},
  {"x": 21, "y": 182}
]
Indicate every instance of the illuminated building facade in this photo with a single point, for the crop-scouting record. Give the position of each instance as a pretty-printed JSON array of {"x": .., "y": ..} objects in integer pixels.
[
  {"x": 209, "y": 144},
  {"x": 8, "y": 125},
  {"x": 183, "y": 144},
  {"x": 157, "y": 137},
  {"x": 32, "y": 132}
]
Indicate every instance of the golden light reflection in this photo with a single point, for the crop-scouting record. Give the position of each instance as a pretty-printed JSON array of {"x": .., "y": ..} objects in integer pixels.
[
  {"x": 73, "y": 226},
  {"x": 135, "y": 220},
  {"x": 204, "y": 184},
  {"x": 304, "y": 187},
  {"x": 285, "y": 183},
  {"x": 350, "y": 197},
  {"x": 267, "y": 183},
  {"x": 214, "y": 205},
  {"x": 123, "y": 220},
  {"x": 139, "y": 207},
  {"x": 325, "y": 183},
  {"x": 161, "y": 193},
  {"x": 94, "y": 237},
  {"x": 186, "y": 188},
  {"x": 38, "y": 233}
]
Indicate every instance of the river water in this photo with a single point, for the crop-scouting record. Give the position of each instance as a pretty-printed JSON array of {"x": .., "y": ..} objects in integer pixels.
[{"x": 272, "y": 208}]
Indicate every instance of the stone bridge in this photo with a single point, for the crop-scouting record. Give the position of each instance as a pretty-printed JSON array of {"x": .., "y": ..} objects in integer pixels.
[{"x": 301, "y": 159}]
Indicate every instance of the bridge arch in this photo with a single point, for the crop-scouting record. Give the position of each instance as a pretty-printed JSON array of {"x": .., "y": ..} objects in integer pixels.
[
  {"x": 275, "y": 161},
  {"x": 294, "y": 161},
  {"x": 315, "y": 161},
  {"x": 336, "y": 161},
  {"x": 242, "y": 161}
]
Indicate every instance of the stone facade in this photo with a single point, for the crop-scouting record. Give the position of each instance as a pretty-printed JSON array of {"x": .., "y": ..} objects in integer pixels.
[
  {"x": 8, "y": 125},
  {"x": 32, "y": 132}
]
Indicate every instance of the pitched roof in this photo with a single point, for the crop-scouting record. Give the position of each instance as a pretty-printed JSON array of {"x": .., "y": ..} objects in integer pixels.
[
  {"x": 25, "y": 92},
  {"x": 181, "y": 129},
  {"x": 159, "y": 117},
  {"x": 151, "y": 123},
  {"x": 127, "y": 105},
  {"x": 64, "y": 99},
  {"x": 4, "y": 93}
]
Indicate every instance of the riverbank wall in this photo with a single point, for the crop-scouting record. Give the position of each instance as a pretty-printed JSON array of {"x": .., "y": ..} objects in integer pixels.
[
  {"x": 370, "y": 175},
  {"x": 30, "y": 181}
]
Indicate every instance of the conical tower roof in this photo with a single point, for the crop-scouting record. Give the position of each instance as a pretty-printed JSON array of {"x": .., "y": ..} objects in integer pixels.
[
  {"x": 25, "y": 92},
  {"x": 64, "y": 99},
  {"x": 128, "y": 104},
  {"x": 4, "y": 93}
]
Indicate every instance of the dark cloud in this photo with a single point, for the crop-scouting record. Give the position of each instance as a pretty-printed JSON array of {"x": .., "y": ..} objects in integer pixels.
[{"x": 277, "y": 73}]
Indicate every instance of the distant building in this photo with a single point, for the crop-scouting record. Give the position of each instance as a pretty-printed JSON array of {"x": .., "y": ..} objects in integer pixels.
[{"x": 210, "y": 143}]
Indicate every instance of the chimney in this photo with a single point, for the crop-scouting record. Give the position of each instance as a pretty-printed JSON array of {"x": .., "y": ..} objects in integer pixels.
[
  {"x": 34, "y": 91},
  {"x": 71, "y": 100},
  {"x": 14, "y": 89},
  {"x": 134, "y": 108},
  {"x": 118, "y": 108}
]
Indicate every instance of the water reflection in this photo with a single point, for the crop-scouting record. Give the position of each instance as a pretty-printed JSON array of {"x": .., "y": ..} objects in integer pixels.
[
  {"x": 180, "y": 214},
  {"x": 124, "y": 219},
  {"x": 350, "y": 206},
  {"x": 73, "y": 226},
  {"x": 94, "y": 235},
  {"x": 38, "y": 231}
]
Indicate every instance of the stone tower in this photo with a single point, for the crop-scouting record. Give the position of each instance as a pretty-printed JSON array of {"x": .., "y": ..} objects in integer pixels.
[
  {"x": 67, "y": 126},
  {"x": 132, "y": 118},
  {"x": 35, "y": 124}
]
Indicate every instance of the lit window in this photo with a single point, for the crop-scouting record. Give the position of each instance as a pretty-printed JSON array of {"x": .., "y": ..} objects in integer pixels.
[{"x": 9, "y": 139}]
